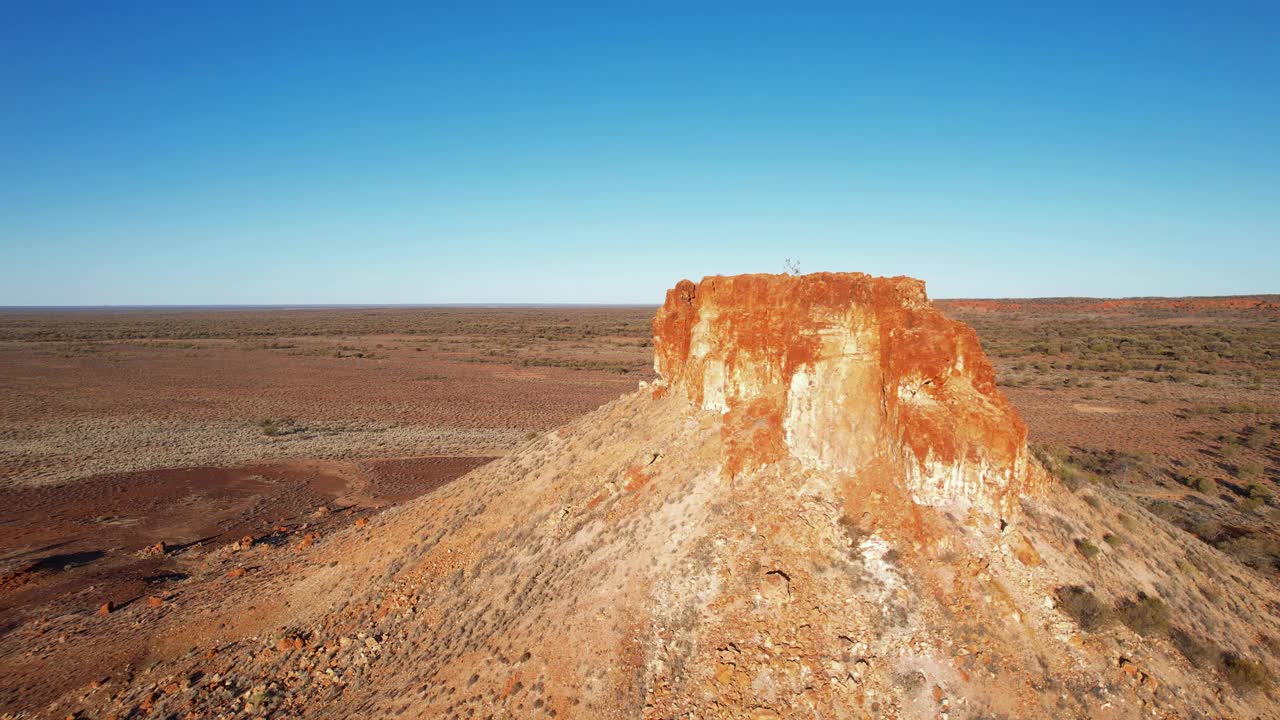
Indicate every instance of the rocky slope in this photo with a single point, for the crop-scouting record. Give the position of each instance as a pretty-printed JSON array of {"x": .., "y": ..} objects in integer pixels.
[{"x": 823, "y": 509}]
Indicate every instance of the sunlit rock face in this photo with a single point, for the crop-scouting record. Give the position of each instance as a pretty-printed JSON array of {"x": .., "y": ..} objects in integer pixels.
[{"x": 849, "y": 373}]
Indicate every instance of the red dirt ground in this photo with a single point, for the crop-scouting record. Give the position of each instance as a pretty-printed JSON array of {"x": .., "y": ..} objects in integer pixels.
[{"x": 71, "y": 549}]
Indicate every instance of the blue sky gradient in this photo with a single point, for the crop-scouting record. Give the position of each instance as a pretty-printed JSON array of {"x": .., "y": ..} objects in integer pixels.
[{"x": 200, "y": 153}]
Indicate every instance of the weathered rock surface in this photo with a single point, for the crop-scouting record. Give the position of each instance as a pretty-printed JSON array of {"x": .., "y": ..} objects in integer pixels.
[{"x": 850, "y": 373}]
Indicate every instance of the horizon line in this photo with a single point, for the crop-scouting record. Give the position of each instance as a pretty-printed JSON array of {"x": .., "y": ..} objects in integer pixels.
[{"x": 515, "y": 305}]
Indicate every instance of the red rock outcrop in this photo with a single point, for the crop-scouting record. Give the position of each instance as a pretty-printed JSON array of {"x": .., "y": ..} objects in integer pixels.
[{"x": 850, "y": 373}]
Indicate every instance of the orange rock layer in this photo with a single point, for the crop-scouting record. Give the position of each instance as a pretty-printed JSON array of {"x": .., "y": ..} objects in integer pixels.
[{"x": 850, "y": 373}]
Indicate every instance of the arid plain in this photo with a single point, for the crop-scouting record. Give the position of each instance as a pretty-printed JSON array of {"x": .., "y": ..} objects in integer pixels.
[{"x": 139, "y": 448}]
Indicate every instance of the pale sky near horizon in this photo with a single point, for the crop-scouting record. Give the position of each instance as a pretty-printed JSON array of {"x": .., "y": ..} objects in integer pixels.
[{"x": 195, "y": 153}]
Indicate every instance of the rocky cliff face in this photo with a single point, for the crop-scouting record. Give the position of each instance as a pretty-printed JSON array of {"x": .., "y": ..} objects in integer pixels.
[{"x": 850, "y": 373}]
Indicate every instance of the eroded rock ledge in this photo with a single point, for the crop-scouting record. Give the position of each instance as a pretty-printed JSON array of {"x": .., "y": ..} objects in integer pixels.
[{"x": 849, "y": 373}]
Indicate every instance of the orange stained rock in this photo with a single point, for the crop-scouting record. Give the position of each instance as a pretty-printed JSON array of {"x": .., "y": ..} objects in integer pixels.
[
  {"x": 635, "y": 478},
  {"x": 846, "y": 372}
]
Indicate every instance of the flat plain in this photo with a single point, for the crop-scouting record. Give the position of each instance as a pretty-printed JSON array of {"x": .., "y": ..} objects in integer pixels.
[{"x": 1176, "y": 401}]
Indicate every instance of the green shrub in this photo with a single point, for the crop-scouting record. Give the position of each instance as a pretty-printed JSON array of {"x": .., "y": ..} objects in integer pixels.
[
  {"x": 1207, "y": 529},
  {"x": 1257, "y": 438},
  {"x": 1249, "y": 470},
  {"x": 1258, "y": 550},
  {"x": 1145, "y": 616},
  {"x": 1197, "y": 652},
  {"x": 1166, "y": 511},
  {"x": 1114, "y": 465},
  {"x": 1261, "y": 492},
  {"x": 1080, "y": 605},
  {"x": 1203, "y": 484},
  {"x": 1086, "y": 548},
  {"x": 1055, "y": 460},
  {"x": 272, "y": 428},
  {"x": 1244, "y": 675}
]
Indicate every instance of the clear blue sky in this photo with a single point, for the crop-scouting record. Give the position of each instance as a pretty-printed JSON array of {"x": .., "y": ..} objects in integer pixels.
[{"x": 222, "y": 153}]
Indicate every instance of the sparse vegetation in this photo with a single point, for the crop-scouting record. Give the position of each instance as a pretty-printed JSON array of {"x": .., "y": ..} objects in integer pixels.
[
  {"x": 1261, "y": 493},
  {"x": 1245, "y": 675},
  {"x": 1077, "y": 467},
  {"x": 1249, "y": 470},
  {"x": 1145, "y": 615},
  {"x": 1259, "y": 550},
  {"x": 1090, "y": 613},
  {"x": 1258, "y": 437},
  {"x": 1197, "y": 652},
  {"x": 1057, "y": 461},
  {"x": 1087, "y": 548},
  {"x": 1125, "y": 345},
  {"x": 520, "y": 325},
  {"x": 275, "y": 427}
]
